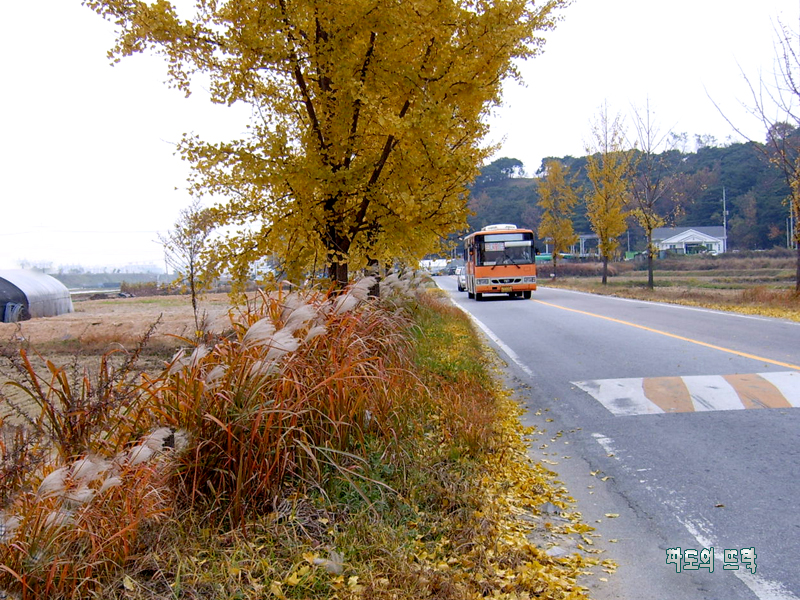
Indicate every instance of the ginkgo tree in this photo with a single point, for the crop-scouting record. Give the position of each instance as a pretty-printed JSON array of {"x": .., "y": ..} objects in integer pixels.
[
  {"x": 368, "y": 116},
  {"x": 608, "y": 168},
  {"x": 557, "y": 198}
]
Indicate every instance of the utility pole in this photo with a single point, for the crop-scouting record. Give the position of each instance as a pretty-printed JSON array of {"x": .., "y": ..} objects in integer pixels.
[{"x": 724, "y": 222}]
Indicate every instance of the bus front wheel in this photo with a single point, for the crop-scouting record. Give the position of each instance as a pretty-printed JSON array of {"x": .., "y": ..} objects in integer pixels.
[
  {"x": 478, "y": 296},
  {"x": 526, "y": 295}
]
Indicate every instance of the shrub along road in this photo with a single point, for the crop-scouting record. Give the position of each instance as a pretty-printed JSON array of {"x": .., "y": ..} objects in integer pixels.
[{"x": 673, "y": 427}]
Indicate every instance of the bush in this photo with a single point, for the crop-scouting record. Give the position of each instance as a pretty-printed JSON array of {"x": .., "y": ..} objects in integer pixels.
[
  {"x": 80, "y": 478},
  {"x": 292, "y": 386}
]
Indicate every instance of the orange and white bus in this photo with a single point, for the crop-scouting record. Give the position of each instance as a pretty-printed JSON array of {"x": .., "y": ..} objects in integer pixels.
[{"x": 500, "y": 259}]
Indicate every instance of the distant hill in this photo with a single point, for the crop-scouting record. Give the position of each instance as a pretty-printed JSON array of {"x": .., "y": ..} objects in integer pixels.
[{"x": 755, "y": 193}]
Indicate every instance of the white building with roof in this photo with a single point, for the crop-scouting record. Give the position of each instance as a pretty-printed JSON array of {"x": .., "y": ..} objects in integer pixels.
[{"x": 691, "y": 240}]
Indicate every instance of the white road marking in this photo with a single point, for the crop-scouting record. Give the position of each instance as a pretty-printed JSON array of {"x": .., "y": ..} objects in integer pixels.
[
  {"x": 623, "y": 397},
  {"x": 712, "y": 393},
  {"x": 627, "y": 397},
  {"x": 788, "y": 383},
  {"x": 508, "y": 351},
  {"x": 607, "y": 443}
]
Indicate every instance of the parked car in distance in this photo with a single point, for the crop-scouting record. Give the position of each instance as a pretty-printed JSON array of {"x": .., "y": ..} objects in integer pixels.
[{"x": 461, "y": 278}]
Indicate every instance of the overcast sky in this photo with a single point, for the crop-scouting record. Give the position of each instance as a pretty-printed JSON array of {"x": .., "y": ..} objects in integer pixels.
[{"x": 88, "y": 174}]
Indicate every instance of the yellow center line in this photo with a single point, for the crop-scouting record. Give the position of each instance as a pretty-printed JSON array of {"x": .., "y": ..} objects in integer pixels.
[{"x": 677, "y": 337}]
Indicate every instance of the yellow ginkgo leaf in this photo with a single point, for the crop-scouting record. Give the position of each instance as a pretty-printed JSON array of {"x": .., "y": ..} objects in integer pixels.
[
  {"x": 293, "y": 579},
  {"x": 275, "y": 589}
]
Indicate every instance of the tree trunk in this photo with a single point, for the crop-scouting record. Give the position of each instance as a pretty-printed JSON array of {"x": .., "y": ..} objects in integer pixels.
[
  {"x": 193, "y": 291},
  {"x": 605, "y": 270},
  {"x": 650, "y": 283},
  {"x": 797, "y": 272},
  {"x": 337, "y": 273},
  {"x": 337, "y": 246},
  {"x": 374, "y": 270},
  {"x": 555, "y": 266}
]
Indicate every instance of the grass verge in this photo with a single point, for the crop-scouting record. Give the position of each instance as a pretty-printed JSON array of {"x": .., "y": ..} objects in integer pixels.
[{"x": 319, "y": 447}]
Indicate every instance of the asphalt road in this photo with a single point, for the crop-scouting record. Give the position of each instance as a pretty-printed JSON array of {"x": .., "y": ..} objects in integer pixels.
[{"x": 681, "y": 421}]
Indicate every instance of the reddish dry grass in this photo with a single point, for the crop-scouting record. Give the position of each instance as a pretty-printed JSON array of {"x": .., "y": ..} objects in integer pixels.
[
  {"x": 762, "y": 295},
  {"x": 257, "y": 414}
]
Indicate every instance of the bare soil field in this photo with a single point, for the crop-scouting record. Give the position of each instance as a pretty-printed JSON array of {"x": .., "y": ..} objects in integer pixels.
[
  {"x": 97, "y": 326},
  {"x": 101, "y": 326}
]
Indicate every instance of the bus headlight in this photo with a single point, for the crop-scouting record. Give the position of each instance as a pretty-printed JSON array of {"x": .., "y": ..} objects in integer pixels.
[{"x": 481, "y": 282}]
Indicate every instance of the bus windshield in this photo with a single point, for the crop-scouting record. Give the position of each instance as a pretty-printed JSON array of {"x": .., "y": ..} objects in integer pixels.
[{"x": 504, "y": 249}]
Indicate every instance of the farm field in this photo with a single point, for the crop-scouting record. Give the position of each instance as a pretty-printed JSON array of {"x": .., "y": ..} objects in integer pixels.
[
  {"x": 752, "y": 285},
  {"x": 96, "y": 324},
  {"x": 100, "y": 326}
]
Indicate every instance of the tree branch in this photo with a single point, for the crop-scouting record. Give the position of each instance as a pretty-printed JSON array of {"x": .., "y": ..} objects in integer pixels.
[
  {"x": 351, "y": 140},
  {"x": 297, "y": 72}
]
